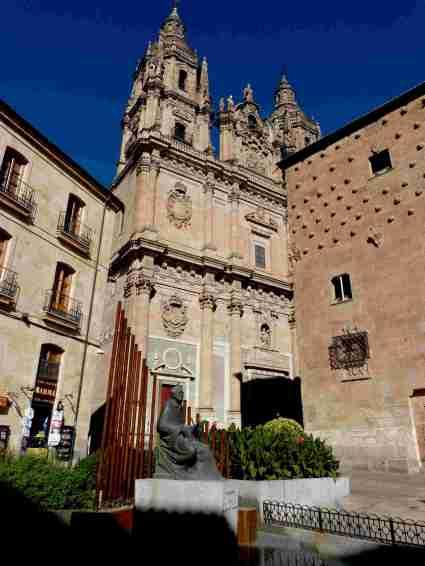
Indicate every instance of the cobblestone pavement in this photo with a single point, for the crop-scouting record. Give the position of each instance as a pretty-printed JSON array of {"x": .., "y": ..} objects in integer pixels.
[{"x": 399, "y": 495}]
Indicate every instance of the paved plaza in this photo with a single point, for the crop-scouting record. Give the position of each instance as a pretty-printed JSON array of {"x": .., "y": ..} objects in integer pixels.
[{"x": 399, "y": 495}]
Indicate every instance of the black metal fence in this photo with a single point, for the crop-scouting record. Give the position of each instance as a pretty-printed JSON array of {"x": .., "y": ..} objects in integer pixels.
[{"x": 387, "y": 530}]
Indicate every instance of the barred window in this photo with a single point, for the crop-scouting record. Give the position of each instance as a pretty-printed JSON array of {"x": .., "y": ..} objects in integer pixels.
[
  {"x": 180, "y": 132},
  {"x": 342, "y": 287},
  {"x": 380, "y": 162},
  {"x": 349, "y": 351}
]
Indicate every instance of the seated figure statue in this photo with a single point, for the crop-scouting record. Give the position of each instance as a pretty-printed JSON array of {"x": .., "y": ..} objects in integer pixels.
[{"x": 180, "y": 456}]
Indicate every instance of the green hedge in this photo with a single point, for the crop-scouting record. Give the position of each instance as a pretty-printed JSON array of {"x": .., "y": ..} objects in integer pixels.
[
  {"x": 268, "y": 453},
  {"x": 50, "y": 485}
]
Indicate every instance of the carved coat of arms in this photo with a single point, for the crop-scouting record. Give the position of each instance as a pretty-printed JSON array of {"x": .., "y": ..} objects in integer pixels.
[
  {"x": 174, "y": 316},
  {"x": 179, "y": 207}
]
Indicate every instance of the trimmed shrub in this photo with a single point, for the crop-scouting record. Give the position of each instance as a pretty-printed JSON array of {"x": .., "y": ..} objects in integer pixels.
[
  {"x": 261, "y": 453},
  {"x": 285, "y": 426},
  {"x": 50, "y": 485}
]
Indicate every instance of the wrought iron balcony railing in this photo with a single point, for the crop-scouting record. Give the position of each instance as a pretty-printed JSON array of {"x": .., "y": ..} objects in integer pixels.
[
  {"x": 81, "y": 234},
  {"x": 63, "y": 308},
  {"x": 8, "y": 284},
  {"x": 20, "y": 194}
]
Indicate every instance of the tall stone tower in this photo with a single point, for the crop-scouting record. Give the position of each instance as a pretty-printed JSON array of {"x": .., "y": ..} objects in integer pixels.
[{"x": 200, "y": 256}]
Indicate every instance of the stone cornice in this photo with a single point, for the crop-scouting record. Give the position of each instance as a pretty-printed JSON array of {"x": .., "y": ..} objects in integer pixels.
[
  {"x": 134, "y": 248},
  {"x": 252, "y": 184}
]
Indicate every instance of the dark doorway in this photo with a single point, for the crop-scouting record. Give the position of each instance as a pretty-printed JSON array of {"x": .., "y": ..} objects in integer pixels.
[
  {"x": 96, "y": 429},
  {"x": 266, "y": 399}
]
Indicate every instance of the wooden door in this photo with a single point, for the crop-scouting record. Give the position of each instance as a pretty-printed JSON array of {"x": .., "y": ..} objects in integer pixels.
[{"x": 62, "y": 287}]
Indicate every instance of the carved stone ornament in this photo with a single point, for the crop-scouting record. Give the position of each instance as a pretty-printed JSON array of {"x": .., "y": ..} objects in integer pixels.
[
  {"x": 179, "y": 207},
  {"x": 374, "y": 237},
  {"x": 207, "y": 301},
  {"x": 260, "y": 216},
  {"x": 174, "y": 316}
]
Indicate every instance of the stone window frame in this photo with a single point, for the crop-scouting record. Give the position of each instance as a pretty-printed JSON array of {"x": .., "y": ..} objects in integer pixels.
[
  {"x": 346, "y": 291},
  {"x": 376, "y": 154},
  {"x": 263, "y": 241}
]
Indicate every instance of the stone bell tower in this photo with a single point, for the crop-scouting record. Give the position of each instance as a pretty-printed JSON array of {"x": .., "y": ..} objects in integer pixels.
[
  {"x": 170, "y": 93},
  {"x": 292, "y": 129},
  {"x": 200, "y": 259}
]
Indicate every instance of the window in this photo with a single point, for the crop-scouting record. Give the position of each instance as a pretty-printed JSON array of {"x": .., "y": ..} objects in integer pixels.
[
  {"x": 12, "y": 170},
  {"x": 252, "y": 122},
  {"x": 4, "y": 244},
  {"x": 73, "y": 215},
  {"x": 260, "y": 256},
  {"x": 182, "y": 80},
  {"x": 342, "y": 288},
  {"x": 380, "y": 162},
  {"x": 180, "y": 132},
  {"x": 307, "y": 141},
  {"x": 62, "y": 287}
]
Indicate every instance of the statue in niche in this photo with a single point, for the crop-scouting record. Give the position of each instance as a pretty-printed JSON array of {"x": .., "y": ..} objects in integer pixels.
[
  {"x": 181, "y": 456},
  {"x": 265, "y": 336}
]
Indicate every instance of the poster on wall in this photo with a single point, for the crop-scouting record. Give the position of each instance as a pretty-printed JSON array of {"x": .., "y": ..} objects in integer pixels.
[
  {"x": 66, "y": 444},
  {"x": 56, "y": 424}
]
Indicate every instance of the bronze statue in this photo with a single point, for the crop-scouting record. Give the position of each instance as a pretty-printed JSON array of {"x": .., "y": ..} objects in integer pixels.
[{"x": 180, "y": 455}]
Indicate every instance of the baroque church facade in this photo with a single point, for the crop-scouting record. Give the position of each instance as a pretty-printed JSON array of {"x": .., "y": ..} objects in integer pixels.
[
  {"x": 283, "y": 258},
  {"x": 201, "y": 261}
]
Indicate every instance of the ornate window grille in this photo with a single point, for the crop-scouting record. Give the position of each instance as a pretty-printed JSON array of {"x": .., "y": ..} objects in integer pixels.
[{"x": 349, "y": 351}]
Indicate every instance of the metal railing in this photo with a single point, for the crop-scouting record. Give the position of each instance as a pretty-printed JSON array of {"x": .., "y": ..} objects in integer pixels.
[
  {"x": 387, "y": 530},
  {"x": 21, "y": 193},
  {"x": 81, "y": 233},
  {"x": 8, "y": 283},
  {"x": 64, "y": 307}
]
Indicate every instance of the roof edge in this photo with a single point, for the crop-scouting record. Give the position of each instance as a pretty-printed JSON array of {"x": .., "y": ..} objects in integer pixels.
[
  {"x": 354, "y": 125},
  {"x": 62, "y": 159}
]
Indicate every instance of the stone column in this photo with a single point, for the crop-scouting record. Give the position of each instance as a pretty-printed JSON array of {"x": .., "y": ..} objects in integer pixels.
[
  {"x": 126, "y": 134},
  {"x": 234, "y": 237},
  {"x": 207, "y": 304},
  {"x": 144, "y": 291},
  {"x": 144, "y": 206},
  {"x": 209, "y": 217},
  {"x": 235, "y": 310}
]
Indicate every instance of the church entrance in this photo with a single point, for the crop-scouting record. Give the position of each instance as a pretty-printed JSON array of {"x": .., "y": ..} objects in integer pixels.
[{"x": 264, "y": 399}]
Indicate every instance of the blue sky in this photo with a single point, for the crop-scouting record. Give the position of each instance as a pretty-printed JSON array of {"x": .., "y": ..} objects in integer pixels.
[{"x": 66, "y": 66}]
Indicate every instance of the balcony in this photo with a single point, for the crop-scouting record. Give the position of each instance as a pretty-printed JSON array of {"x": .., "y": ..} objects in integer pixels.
[
  {"x": 77, "y": 236},
  {"x": 8, "y": 288},
  {"x": 61, "y": 310},
  {"x": 20, "y": 198}
]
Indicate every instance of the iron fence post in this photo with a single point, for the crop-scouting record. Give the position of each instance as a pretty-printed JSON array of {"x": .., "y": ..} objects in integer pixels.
[{"x": 392, "y": 531}]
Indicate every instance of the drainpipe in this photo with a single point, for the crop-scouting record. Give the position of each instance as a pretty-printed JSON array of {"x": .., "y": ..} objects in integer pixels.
[{"x": 90, "y": 316}]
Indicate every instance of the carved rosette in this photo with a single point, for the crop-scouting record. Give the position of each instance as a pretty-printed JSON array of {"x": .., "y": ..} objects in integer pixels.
[
  {"x": 179, "y": 207},
  {"x": 207, "y": 301},
  {"x": 174, "y": 316}
]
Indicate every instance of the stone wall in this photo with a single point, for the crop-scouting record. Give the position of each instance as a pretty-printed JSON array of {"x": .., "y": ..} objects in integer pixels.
[
  {"x": 345, "y": 219},
  {"x": 33, "y": 253}
]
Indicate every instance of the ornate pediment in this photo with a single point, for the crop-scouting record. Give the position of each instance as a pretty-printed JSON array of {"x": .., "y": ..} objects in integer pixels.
[{"x": 262, "y": 218}]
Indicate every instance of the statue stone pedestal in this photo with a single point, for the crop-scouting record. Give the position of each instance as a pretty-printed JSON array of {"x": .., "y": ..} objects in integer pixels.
[{"x": 181, "y": 496}]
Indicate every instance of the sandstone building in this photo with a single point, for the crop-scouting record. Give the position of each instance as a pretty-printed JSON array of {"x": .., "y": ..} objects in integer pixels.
[
  {"x": 279, "y": 259},
  {"x": 56, "y": 228},
  {"x": 356, "y": 217},
  {"x": 202, "y": 257}
]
